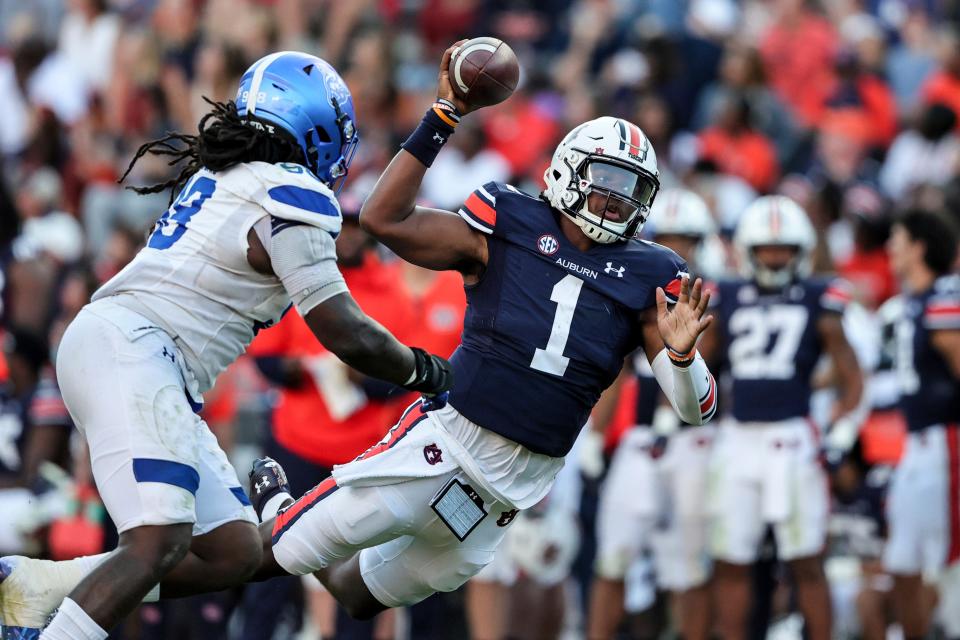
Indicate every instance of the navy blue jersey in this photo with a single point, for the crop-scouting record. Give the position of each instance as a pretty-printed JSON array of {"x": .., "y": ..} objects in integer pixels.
[
  {"x": 930, "y": 394},
  {"x": 771, "y": 344},
  {"x": 548, "y": 326}
]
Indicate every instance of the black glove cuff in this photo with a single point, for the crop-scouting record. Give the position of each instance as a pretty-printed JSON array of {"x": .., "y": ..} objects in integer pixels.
[{"x": 433, "y": 374}]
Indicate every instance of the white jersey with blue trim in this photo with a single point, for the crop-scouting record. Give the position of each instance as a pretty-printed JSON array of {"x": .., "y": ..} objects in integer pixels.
[{"x": 193, "y": 279}]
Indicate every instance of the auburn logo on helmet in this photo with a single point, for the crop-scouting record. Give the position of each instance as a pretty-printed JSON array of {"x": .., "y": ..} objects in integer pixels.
[{"x": 633, "y": 141}]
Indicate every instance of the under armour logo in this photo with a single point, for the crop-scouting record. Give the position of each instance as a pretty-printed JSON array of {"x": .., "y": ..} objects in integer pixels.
[
  {"x": 167, "y": 354},
  {"x": 262, "y": 484},
  {"x": 610, "y": 270},
  {"x": 432, "y": 454},
  {"x": 439, "y": 139}
]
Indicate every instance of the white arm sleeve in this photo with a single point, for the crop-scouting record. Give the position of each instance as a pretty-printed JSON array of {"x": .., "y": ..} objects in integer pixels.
[
  {"x": 304, "y": 258},
  {"x": 691, "y": 390}
]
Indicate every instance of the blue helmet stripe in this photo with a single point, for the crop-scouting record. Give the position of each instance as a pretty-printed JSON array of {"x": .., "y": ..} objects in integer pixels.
[
  {"x": 251, "y": 106},
  {"x": 306, "y": 199}
]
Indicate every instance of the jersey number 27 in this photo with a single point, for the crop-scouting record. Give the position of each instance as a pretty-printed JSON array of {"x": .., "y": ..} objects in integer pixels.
[{"x": 765, "y": 341}]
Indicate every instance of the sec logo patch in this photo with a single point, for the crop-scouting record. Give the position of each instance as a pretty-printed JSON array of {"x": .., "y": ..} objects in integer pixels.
[{"x": 548, "y": 245}]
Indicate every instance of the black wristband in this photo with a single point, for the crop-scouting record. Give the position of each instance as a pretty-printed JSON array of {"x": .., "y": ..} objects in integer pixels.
[
  {"x": 434, "y": 130},
  {"x": 433, "y": 374}
]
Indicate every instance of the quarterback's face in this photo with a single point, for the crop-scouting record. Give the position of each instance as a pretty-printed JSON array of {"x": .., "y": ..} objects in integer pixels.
[{"x": 609, "y": 207}]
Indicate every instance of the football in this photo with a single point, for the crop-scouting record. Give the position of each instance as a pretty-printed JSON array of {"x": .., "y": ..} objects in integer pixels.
[{"x": 484, "y": 71}]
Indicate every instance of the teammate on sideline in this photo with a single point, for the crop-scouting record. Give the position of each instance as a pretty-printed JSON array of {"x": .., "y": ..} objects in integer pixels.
[
  {"x": 773, "y": 327},
  {"x": 643, "y": 476},
  {"x": 559, "y": 293},
  {"x": 251, "y": 230},
  {"x": 923, "y": 506}
]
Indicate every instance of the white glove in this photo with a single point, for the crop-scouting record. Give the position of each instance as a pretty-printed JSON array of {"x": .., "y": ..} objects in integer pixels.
[
  {"x": 840, "y": 438},
  {"x": 591, "y": 454}
]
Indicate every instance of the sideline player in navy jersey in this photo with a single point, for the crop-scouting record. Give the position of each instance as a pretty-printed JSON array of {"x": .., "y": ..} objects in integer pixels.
[
  {"x": 923, "y": 508},
  {"x": 652, "y": 496},
  {"x": 558, "y": 294},
  {"x": 772, "y": 328}
]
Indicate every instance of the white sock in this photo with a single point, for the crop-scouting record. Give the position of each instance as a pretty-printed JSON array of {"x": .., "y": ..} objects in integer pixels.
[
  {"x": 58, "y": 578},
  {"x": 72, "y": 623},
  {"x": 273, "y": 505}
]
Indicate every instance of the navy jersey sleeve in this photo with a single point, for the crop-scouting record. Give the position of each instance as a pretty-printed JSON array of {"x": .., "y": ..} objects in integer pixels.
[
  {"x": 942, "y": 310},
  {"x": 480, "y": 209},
  {"x": 672, "y": 272},
  {"x": 837, "y": 294}
]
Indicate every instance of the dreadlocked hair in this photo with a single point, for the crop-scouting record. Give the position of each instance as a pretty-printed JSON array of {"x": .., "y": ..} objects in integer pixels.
[{"x": 223, "y": 140}]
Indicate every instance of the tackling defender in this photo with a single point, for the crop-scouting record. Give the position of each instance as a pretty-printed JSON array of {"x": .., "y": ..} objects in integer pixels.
[{"x": 251, "y": 232}]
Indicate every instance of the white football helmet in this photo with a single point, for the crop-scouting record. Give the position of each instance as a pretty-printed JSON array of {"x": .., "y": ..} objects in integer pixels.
[
  {"x": 614, "y": 159},
  {"x": 779, "y": 221},
  {"x": 682, "y": 213}
]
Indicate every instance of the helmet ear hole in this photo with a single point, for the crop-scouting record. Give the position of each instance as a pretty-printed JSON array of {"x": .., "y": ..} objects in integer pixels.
[
  {"x": 556, "y": 174},
  {"x": 322, "y": 135}
]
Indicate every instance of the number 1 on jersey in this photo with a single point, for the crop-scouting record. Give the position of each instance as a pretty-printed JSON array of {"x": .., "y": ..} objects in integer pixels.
[{"x": 551, "y": 360}]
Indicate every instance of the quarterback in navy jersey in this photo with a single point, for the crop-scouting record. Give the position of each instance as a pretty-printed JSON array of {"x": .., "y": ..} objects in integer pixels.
[
  {"x": 772, "y": 328},
  {"x": 923, "y": 508},
  {"x": 558, "y": 294}
]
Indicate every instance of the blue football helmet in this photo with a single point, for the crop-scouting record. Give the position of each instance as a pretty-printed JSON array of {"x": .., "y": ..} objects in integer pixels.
[{"x": 307, "y": 98}]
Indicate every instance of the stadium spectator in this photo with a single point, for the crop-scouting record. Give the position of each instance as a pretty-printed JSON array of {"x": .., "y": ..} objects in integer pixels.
[
  {"x": 943, "y": 86},
  {"x": 928, "y": 153},
  {"x": 737, "y": 148},
  {"x": 798, "y": 50}
]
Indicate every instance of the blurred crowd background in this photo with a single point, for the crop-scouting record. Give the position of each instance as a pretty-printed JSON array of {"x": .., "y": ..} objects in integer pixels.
[{"x": 848, "y": 106}]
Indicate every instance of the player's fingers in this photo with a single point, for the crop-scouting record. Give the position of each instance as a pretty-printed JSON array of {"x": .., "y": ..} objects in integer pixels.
[
  {"x": 704, "y": 323},
  {"x": 661, "y": 302},
  {"x": 452, "y": 49},
  {"x": 704, "y": 303},
  {"x": 695, "y": 292},
  {"x": 445, "y": 60},
  {"x": 684, "y": 290}
]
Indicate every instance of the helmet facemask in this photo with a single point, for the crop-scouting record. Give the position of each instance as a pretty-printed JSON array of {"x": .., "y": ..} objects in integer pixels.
[
  {"x": 777, "y": 278},
  {"x": 610, "y": 198},
  {"x": 337, "y": 173}
]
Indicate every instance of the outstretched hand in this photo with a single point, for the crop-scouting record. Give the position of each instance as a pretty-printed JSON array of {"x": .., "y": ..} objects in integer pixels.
[
  {"x": 682, "y": 325},
  {"x": 444, "y": 88}
]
